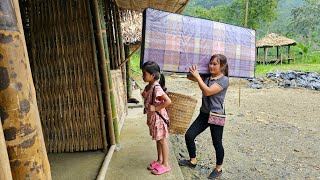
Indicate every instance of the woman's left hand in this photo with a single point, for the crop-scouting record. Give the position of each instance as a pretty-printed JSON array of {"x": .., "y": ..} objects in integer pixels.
[
  {"x": 152, "y": 108},
  {"x": 194, "y": 71}
]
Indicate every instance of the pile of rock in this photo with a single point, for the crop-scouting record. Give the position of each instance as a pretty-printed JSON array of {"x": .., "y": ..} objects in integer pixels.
[
  {"x": 256, "y": 83},
  {"x": 293, "y": 79},
  {"x": 287, "y": 79}
]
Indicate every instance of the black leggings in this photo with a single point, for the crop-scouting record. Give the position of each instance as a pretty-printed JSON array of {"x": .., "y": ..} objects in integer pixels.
[{"x": 197, "y": 127}]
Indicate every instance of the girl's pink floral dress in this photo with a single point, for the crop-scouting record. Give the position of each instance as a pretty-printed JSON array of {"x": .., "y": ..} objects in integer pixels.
[{"x": 157, "y": 127}]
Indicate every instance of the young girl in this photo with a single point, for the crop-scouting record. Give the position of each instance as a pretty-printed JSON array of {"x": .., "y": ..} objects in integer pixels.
[
  {"x": 214, "y": 89},
  {"x": 156, "y": 100}
]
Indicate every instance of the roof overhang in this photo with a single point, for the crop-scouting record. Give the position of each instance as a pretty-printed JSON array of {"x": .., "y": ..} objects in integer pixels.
[{"x": 175, "y": 6}]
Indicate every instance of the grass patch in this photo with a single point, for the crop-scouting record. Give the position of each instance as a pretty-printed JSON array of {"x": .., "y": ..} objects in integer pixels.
[
  {"x": 135, "y": 65},
  {"x": 264, "y": 69}
]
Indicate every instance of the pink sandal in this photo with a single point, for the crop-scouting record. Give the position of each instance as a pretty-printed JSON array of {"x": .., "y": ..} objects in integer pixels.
[
  {"x": 153, "y": 165},
  {"x": 160, "y": 169}
]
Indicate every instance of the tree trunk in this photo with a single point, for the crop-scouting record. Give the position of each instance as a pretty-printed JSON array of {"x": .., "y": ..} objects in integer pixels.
[{"x": 18, "y": 105}]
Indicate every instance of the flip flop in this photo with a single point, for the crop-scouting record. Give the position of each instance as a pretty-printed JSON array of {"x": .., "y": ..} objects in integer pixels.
[
  {"x": 160, "y": 169},
  {"x": 153, "y": 165}
]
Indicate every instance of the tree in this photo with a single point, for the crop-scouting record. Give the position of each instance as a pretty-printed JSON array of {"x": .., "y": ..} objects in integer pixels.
[
  {"x": 259, "y": 12},
  {"x": 234, "y": 13},
  {"x": 306, "y": 19}
]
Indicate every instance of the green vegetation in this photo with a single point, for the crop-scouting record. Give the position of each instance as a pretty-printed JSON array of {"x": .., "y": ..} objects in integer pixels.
[
  {"x": 264, "y": 69},
  {"x": 135, "y": 65}
]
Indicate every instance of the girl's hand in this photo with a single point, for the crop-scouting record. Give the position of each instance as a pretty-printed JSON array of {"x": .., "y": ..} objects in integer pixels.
[
  {"x": 194, "y": 71},
  {"x": 152, "y": 108}
]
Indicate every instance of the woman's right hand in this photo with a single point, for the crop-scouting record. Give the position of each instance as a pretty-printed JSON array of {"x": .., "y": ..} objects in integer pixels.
[{"x": 194, "y": 71}]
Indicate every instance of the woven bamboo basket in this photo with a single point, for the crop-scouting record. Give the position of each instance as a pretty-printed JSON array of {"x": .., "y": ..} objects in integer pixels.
[{"x": 180, "y": 112}]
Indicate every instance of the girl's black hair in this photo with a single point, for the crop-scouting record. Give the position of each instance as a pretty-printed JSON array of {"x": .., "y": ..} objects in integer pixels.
[
  {"x": 223, "y": 63},
  {"x": 153, "y": 68}
]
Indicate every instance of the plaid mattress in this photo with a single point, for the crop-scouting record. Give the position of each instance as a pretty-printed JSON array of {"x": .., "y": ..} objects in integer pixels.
[{"x": 175, "y": 42}]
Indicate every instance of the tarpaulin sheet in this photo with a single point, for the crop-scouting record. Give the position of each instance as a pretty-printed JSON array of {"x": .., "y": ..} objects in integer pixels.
[{"x": 176, "y": 42}]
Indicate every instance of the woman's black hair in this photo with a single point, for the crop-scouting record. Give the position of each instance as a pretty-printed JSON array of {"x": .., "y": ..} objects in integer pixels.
[
  {"x": 223, "y": 63},
  {"x": 153, "y": 68}
]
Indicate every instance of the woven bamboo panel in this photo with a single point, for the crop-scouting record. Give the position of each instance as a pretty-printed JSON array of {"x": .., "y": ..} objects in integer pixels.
[
  {"x": 180, "y": 112},
  {"x": 60, "y": 42},
  {"x": 120, "y": 95}
]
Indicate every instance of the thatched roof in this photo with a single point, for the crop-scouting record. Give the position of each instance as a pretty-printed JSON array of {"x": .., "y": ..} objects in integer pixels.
[
  {"x": 274, "y": 40},
  {"x": 131, "y": 15},
  {"x": 139, "y": 5},
  {"x": 131, "y": 24}
]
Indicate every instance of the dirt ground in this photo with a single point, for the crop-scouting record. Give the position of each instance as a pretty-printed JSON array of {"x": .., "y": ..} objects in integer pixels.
[{"x": 274, "y": 134}]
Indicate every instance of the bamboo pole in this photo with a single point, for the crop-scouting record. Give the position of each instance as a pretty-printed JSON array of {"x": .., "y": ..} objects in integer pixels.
[
  {"x": 104, "y": 68},
  {"x": 108, "y": 60},
  {"x": 19, "y": 110},
  {"x": 102, "y": 116},
  {"x": 5, "y": 171}
]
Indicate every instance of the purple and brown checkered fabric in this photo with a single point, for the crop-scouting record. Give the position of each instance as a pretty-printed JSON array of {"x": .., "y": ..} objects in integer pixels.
[{"x": 176, "y": 42}]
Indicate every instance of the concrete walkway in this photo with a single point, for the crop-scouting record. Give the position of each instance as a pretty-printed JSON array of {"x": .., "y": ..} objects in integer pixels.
[{"x": 137, "y": 150}]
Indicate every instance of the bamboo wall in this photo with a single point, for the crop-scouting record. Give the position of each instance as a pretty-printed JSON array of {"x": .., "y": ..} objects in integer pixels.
[
  {"x": 64, "y": 67},
  {"x": 120, "y": 96}
]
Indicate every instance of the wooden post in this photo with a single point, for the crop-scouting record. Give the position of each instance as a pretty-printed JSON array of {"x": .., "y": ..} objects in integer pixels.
[
  {"x": 265, "y": 55},
  {"x": 5, "y": 171},
  {"x": 289, "y": 54},
  {"x": 18, "y": 105},
  {"x": 245, "y": 25},
  {"x": 129, "y": 88},
  {"x": 257, "y": 54},
  {"x": 247, "y": 12},
  {"x": 277, "y": 52}
]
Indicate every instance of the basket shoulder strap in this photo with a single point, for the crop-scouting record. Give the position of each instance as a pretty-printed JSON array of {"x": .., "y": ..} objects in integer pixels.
[{"x": 152, "y": 101}]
